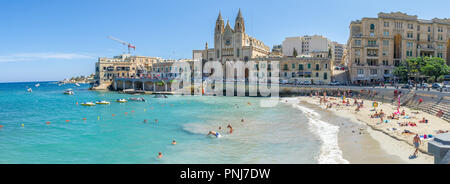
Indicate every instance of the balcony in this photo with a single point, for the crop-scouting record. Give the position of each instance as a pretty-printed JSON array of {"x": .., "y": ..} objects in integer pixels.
[
  {"x": 372, "y": 46},
  {"x": 358, "y": 35}
]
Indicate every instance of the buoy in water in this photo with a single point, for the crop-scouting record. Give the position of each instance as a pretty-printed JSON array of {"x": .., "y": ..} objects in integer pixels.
[
  {"x": 77, "y": 103},
  {"x": 48, "y": 122}
]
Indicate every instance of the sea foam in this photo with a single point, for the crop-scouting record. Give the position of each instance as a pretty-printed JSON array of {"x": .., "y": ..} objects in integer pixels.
[{"x": 330, "y": 152}]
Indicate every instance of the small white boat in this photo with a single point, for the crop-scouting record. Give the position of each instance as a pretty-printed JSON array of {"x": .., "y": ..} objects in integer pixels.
[
  {"x": 88, "y": 104},
  {"x": 68, "y": 92},
  {"x": 121, "y": 100},
  {"x": 29, "y": 90},
  {"x": 37, "y": 85},
  {"x": 103, "y": 102},
  {"x": 77, "y": 84}
]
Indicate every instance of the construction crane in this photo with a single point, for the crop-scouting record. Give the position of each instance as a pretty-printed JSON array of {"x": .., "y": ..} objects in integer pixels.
[{"x": 123, "y": 43}]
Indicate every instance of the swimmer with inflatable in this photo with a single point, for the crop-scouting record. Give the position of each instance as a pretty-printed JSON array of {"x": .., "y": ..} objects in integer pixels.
[{"x": 217, "y": 134}]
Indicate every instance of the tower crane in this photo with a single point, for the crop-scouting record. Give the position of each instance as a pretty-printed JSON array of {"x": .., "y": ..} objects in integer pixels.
[{"x": 123, "y": 43}]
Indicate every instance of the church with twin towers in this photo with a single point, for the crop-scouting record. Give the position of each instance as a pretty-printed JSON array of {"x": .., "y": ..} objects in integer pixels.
[{"x": 232, "y": 44}]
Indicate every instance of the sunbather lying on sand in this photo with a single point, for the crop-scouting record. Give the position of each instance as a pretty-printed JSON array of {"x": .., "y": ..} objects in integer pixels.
[
  {"x": 423, "y": 120},
  {"x": 441, "y": 131}
]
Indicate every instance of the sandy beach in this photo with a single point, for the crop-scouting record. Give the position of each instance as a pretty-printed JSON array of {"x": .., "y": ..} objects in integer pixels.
[{"x": 388, "y": 134}]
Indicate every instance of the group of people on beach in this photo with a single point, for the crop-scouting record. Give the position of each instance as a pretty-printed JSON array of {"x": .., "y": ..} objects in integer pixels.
[{"x": 328, "y": 102}]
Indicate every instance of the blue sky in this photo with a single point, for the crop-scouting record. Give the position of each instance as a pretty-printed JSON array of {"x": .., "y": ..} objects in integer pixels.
[{"x": 57, "y": 39}]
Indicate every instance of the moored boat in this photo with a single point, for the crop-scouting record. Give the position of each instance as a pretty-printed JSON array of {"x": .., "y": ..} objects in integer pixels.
[
  {"x": 103, "y": 102},
  {"x": 121, "y": 100},
  {"x": 88, "y": 104},
  {"x": 68, "y": 92}
]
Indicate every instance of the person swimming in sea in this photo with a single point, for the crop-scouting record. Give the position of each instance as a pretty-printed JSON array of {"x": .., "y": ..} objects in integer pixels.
[
  {"x": 217, "y": 134},
  {"x": 231, "y": 128},
  {"x": 174, "y": 142},
  {"x": 145, "y": 120},
  {"x": 160, "y": 155}
]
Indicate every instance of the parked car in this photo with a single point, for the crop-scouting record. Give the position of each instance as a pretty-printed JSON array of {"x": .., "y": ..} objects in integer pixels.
[
  {"x": 406, "y": 86},
  {"x": 307, "y": 83},
  {"x": 334, "y": 83},
  {"x": 423, "y": 85},
  {"x": 436, "y": 86}
]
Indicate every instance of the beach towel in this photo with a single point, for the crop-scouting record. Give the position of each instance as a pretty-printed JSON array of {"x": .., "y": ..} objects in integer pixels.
[
  {"x": 386, "y": 121},
  {"x": 406, "y": 117}
]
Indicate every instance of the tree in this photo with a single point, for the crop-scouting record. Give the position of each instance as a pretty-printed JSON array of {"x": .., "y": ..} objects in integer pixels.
[
  {"x": 295, "y": 53},
  {"x": 401, "y": 72},
  {"x": 329, "y": 53},
  {"x": 434, "y": 67},
  {"x": 414, "y": 65}
]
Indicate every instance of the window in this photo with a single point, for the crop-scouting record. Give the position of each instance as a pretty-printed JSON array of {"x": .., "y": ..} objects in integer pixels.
[
  {"x": 372, "y": 27},
  {"x": 409, "y": 44},
  {"x": 360, "y": 72},
  {"x": 373, "y": 71},
  {"x": 439, "y": 36},
  {"x": 317, "y": 74},
  {"x": 429, "y": 29},
  {"x": 385, "y": 42},
  {"x": 385, "y": 52},
  {"x": 357, "y": 42},
  {"x": 385, "y": 62},
  {"x": 409, "y": 53},
  {"x": 309, "y": 65},
  {"x": 325, "y": 76},
  {"x": 385, "y": 33},
  {"x": 217, "y": 53},
  {"x": 429, "y": 38},
  {"x": 326, "y": 66},
  {"x": 386, "y": 72},
  {"x": 372, "y": 42},
  {"x": 317, "y": 67},
  {"x": 386, "y": 24},
  {"x": 410, "y": 26},
  {"x": 357, "y": 61},
  {"x": 300, "y": 66},
  {"x": 439, "y": 54},
  {"x": 418, "y": 27},
  {"x": 293, "y": 74},
  {"x": 357, "y": 52},
  {"x": 237, "y": 52},
  {"x": 285, "y": 67},
  {"x": 293, "y": 66},
  {"x": 409, "y": 35}
]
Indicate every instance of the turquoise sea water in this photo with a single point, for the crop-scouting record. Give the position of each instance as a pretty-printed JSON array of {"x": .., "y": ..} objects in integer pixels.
[{"x": 278, "y": 134}]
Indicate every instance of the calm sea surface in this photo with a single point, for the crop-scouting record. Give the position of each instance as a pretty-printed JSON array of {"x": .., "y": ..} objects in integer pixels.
[{"x": 280, "y": 134}]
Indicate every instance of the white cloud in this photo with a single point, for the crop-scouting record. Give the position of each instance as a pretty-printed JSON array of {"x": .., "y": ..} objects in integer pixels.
[{"x": 42, "y": 56}]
